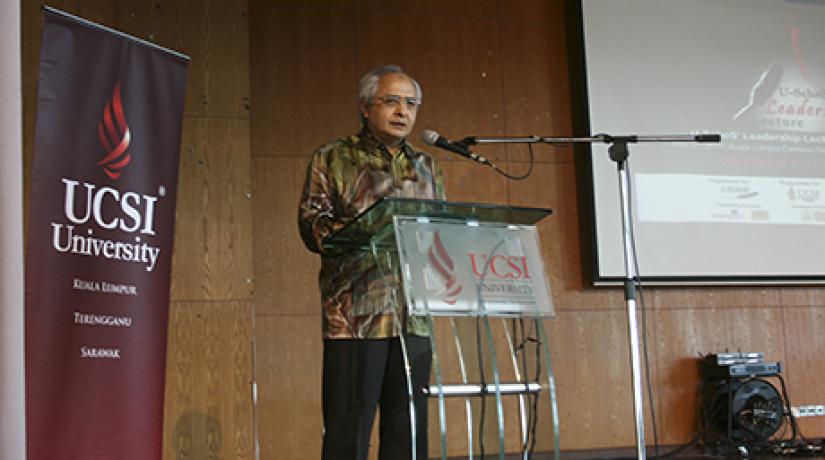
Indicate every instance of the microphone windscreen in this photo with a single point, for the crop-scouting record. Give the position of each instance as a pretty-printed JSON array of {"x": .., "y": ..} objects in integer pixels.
[
  {"x": 430, "y": 137},
  {"x": 708, "y": 138}
]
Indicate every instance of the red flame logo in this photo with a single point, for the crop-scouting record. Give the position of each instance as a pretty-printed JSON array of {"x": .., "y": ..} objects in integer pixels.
[
  {"x": 796, "y": 42},
  {"x": 114, "y": 136},
  {"x": 443, "y": 264}
]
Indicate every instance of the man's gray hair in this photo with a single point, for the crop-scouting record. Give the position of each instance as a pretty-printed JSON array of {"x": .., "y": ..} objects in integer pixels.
[{"x": 368, "y": 85}]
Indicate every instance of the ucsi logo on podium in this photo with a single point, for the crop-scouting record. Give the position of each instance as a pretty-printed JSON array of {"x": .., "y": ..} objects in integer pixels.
[
  {"x": 449, "y": 267},
  {"x": 496, "y": 272},
  {"x": 443, "y": 264},
  {"x": 500, "y": 266}
]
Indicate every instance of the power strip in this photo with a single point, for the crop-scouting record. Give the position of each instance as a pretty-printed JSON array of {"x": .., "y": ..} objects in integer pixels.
[{"x": 817, "y": 410}]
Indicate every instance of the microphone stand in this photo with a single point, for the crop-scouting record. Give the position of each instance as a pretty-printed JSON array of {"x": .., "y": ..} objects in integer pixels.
[{"x": 619, "y": 153}]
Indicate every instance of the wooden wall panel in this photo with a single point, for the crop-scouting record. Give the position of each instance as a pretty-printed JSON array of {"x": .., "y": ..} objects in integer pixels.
[
  {"x": 468, "y": 181},
  {"x": 458, "y": 10},
  {"x": 802, "y": 296},
  {"x": 803, "y": 316},
  {"x": 804, "y": 361},
  {"x": 102, "y": 11},
  {"x": 302, "y": 100},
  {"x": 214, "y": 33},
  {"x": 289, "y": 386},
  {"x": 286, "y": 272},
  {"x": 710, "y": 297},
  {"x": 592, "y": 371},
  {"x": 208, "y": 411},
  {"x": 535, "y": 104},
  {"x": 213, "y": 241}
]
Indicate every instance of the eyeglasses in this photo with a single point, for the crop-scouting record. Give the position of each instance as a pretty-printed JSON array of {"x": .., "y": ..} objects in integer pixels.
[{"x": 393, "y": 100}]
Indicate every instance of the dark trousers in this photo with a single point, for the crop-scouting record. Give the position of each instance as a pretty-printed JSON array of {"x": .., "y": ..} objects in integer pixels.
[{"x": 362, "y": 374}]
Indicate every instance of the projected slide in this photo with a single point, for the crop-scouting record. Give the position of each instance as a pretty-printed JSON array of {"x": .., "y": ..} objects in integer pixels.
[{"x": 750, "y": 70}]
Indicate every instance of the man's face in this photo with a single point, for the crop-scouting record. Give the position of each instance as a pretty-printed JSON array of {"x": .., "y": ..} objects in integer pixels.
[{"x": 391, "y": 113}]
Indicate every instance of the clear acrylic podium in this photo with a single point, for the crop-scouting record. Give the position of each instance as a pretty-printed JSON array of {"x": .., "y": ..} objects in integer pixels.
[{"x": 461, "y": 267}]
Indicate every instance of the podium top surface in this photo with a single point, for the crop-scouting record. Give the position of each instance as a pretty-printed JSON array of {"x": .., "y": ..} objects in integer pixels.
[{"x": 360, "y": 230}]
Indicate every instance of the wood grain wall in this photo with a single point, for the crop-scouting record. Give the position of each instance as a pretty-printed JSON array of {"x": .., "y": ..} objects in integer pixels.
[
  {"x": 272, "y": 80},
  {"x": 208, "y": 409}
]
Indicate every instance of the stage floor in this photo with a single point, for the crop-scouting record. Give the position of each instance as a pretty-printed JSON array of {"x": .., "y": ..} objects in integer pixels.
[{"x": 665, "y": 452}]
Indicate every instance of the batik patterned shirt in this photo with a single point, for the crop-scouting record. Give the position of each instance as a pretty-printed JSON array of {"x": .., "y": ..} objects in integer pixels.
[{"x": 344, "y": 178}]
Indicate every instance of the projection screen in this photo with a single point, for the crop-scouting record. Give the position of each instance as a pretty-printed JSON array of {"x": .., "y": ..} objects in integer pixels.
[{"x": 750, "y": 209}]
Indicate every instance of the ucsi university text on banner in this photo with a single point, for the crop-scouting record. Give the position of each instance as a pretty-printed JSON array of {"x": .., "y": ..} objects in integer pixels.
[{"x": 99, "y": 248}]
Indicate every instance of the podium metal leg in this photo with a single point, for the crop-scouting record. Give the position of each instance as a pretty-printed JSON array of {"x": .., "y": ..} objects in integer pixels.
[
  {"x": 467, "y": 405},
  {"x": 442, "y": 412},
  {"x": 497, "y": 381},
  {"x": 522, "y": 411},
  {"x": 408, "y": 375},
  {"x": 551, "y": 384},
  {"x": 399, "y": 324}
]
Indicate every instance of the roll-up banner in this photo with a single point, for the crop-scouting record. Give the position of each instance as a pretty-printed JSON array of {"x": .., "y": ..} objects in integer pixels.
[{"x": 99, "y": 242}]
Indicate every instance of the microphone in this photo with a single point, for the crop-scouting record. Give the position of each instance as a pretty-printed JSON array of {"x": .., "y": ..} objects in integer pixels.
[
  {"x": 708, "y": 138},
  {"x": 434, "y": 139}
]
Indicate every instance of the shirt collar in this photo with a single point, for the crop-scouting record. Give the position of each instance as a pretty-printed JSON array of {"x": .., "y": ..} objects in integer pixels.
[{"x": 368, "y": 140}]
